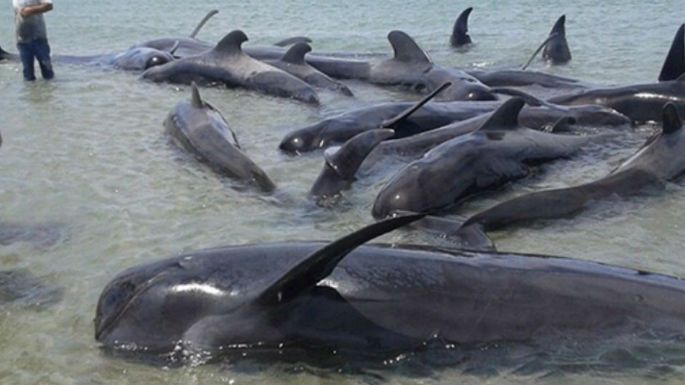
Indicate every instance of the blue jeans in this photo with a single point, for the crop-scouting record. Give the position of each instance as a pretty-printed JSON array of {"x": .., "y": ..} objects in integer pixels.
[{"x": 40, "y": 50}]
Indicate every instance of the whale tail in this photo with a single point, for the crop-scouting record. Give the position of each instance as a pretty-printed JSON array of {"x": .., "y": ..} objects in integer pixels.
[
  {"x": 460, "y": 33},
  {"x": 318, "y": 265},
  {"x": 674, "y": 65}
]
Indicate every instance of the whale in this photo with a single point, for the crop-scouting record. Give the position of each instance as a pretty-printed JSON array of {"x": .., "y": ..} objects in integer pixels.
[
  {"x": 460, "y": 32},
  {"x": 660, "y": 160},
  {"x": 227, "y": 64},
  {"x": 642, "y": 102},
  {"x": 556, "y": 50},
  {"x": 293, "y": 63},
  {"x": 342, "y": 164},
  {"x": 523, "y": 78},
  {"x": 372, "y": 301},
  {"x": 538, "y": 114},
  {"x": 200, "y": 129},
  {"x": 499, "y": 151}
]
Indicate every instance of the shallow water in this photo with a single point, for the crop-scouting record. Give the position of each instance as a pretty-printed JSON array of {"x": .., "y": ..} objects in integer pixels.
[{"x": 85, "y": 153}]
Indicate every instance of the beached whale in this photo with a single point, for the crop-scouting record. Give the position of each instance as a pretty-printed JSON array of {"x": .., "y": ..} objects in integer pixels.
[
  {"x": 227, "y": 64},
  {"x": 499, "y": 151},
  {"x": 346, "y": 298},
  {"x": 642, "y": 102},
  {"x": 661, "y": 159},
  {"x": 200, "y": 128}
]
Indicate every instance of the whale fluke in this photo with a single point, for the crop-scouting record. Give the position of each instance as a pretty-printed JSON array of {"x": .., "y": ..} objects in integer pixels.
[
  {"x": 674, "y": 65},
  {"x": 406, "y": 49},
  {"x": 460, "y": 36},
  {"x": 321, "y": 263}
]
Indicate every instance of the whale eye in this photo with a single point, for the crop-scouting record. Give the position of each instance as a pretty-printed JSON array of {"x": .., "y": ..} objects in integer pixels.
[{"x": 156, "y": 61}]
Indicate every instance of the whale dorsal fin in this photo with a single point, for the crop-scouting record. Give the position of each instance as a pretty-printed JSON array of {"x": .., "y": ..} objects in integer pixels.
[
  {"x": 671, "y": 120},
  {"x": 559, "y": 27},
  {"x": 295, "y": 55},
  {"x": 674, "y": 65},
  {"x": 460, "y": 32},
  {"x": 231, "y": 43},
  {"x": 293, "y": 40},
  {"x": 406, "y": 49},
  {"x": 505, "y": 117},
  {"x": 321, "y": 263},
  {"x": 348, "y": 158},
  {"x": 196, "y": 99}
]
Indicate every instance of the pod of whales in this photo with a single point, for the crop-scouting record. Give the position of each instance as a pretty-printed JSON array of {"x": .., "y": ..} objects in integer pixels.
[
  {"x": 347, "y": 298},
  {"x": 227, "y": 64},
  {"x": 661, "y": 159},
  {"x": 494, "y": 154},
  {"x": 642, "y": 102},
  {"x": 200, "y": 128}
]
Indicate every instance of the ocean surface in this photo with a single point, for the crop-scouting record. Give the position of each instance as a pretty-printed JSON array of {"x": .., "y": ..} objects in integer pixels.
[{"x": 85, "y": 157}]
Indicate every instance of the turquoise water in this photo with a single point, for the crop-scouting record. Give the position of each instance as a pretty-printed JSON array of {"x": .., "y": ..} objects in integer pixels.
[{"x": 86, "y": 153}]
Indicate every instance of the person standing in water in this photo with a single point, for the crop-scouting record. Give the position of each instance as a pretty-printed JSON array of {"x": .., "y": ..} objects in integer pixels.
[{"x": 32, "y": 36}]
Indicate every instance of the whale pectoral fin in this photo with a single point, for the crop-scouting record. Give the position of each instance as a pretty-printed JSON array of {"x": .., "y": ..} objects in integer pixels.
[
  {"x": 406, "y": 49},
  {"x": 505, "y": 117},
  {"x": 472, "y": 237},
  {"x": 203, "y": 22},
  {"x": 321, "y": 263},
  {"x": 674, "y": 65},
  {"x": 671, "y": 120},
  {"x": 393, "y": 122}
]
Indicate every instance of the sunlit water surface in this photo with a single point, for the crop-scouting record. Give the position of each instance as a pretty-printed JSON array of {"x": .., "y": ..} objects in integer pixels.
[{"x": 86, "y": 154}]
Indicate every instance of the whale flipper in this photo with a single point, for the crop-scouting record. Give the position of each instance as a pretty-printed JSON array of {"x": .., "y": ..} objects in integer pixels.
[
  {"x": 295, "y": 55},
  {"x": 460, "y": 33},
  {"x": 674, "y": 65},
  {"x": 321, "y": 263},
  {"x": 406, "y": 49},
  {"x": 347, "y": 160},
  {"x": 671, "y": 121},
  {"x": 556, "y": 50},
  {"x": 203, "y": 22}
]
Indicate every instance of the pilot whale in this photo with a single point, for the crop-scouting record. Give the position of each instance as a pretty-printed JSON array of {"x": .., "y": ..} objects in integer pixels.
[
  {"x": 227, "y": 64},
  {"x": 661, "y": 159},
  {"x": 499, "y": 151},
  {"x": 345, "y": 297},
  {"x": 642, "y": 102},
  {"x": 200, "y": 128},
  {"x": 460, "y": 32}
]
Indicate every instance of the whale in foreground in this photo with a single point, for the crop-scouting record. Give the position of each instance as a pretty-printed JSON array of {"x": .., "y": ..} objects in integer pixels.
[{"x": 344, "y": 297}]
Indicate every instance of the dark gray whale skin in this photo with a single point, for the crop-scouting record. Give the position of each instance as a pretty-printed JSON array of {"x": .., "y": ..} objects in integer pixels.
[
  {"x": 556, "y": 50},
  {"x": 199, "y": 128},
  {"x": 377, "y": 300},
  {"x": 227, "y": 64},
  {"x": 433, "y": 115},
  {"x": 642, "y": 102},
  {"x": 661, "y": 159},
  {"x": 497, "y": 152},
  {"x": 293, "y": 63},
  {"x": 460, "y": 32}
]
